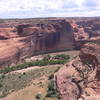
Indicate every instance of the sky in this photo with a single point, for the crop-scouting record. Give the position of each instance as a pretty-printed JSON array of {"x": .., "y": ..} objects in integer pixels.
[{"x": 49, "y": 8}]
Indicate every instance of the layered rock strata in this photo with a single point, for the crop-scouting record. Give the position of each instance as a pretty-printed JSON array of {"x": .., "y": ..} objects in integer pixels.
[{"x": 80, "y": 79}]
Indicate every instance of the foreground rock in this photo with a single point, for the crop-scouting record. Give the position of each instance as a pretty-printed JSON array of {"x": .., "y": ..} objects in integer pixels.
[{"x": 80, "y": 79}]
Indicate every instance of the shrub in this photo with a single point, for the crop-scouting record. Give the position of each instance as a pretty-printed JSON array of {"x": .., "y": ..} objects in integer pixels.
[
  {"x": 24, "y": 73},
  {"x": 3, "y": 76},
  {"x": 46, "y": 58},
  {"x": 51, "y": 76},
  {"x": 52, "y": 91},
  {"x": 62, "y": 57},
  {"x": 38, "y": 96},
  {"x": 1, "y": 85}
]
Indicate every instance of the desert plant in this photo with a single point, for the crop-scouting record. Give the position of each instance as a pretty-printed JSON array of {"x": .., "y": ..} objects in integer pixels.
[
  {"x": 38, "y": 96},
  {"x": 46, "y": 57},
  {"x": 62, "y": 57},
  {"x": 51, "y": 76},
  {"x": 3, "y": 76},
  {"x": 52, "y": 91},
  {"x": 1, "y": 85}
]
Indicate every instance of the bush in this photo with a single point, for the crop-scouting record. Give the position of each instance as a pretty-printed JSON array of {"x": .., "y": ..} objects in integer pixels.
[
  {"x": 38, "y": 96},
  {"x": 62, "y": 57},
  {"x": 3, "y": 76},
  {"x": 1, "y": 85},
  {"x": 46, "y": 58},
  {"x": 51, "y": 76},
  {"x": 24, "y": 73},
  {"x": 52, "y": 91}
]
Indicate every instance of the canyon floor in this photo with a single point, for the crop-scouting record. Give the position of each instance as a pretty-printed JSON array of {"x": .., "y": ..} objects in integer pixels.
[{"x": 27, "y": 83}]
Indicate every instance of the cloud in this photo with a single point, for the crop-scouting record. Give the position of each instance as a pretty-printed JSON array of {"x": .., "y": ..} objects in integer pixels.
[
  {"x": 91, "y": 3},
  {"x": 48, "y": 8}
]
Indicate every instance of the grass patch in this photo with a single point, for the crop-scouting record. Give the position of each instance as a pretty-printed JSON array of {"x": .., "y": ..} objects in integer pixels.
[{"x": 16, "y": 81}]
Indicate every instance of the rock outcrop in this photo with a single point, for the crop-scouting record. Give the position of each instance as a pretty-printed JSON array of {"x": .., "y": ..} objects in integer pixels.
[
  {"x": 23, "y": 40},
  {"x": 92, "y": 27},
  {"x": 85, "y": 30},
  {"x": 80, "y": 79}
]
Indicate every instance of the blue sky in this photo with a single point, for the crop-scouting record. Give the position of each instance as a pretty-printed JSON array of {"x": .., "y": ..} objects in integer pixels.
[{"x": 49, "y": 8}]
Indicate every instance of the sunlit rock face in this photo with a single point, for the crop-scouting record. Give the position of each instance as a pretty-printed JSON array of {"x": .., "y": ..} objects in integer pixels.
[
  {"x": 85, "y": 30},
  {"x": 80, "y": 78},
  {"x": 21, "y": 40}
]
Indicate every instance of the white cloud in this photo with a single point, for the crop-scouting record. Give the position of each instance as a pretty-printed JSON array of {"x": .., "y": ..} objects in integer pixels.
[{"x": 49, "y": 7}]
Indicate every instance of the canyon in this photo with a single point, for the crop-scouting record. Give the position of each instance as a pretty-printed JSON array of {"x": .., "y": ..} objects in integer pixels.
[
  {"x": 23, "y": 38},
  {"x": 21, "y": 41},
  {"x": 78, "y": 79}
]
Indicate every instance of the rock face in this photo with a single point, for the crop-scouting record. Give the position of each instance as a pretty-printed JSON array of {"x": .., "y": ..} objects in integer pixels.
[
  {"x": 92, "y": 27},
  {"x": 85, "y": 30},
  {"x": 80, "y": 79},
  {"x": 23, "y": 40}
]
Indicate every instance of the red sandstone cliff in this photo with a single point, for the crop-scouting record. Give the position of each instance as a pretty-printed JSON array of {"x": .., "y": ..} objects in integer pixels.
[
  {"x": 85, "y": 30},
  {"x": 27, "y": 39},
  {"x": 79, "y": 80}
]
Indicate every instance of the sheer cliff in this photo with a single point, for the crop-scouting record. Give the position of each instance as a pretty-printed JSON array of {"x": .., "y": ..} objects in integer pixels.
[
  {"x": 27, "y": 39},
  {"x": 22, "y": 38}
]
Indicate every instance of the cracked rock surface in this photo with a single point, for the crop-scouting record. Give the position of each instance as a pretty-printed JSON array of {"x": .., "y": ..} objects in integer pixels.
[{"x": 80, "y": 78}]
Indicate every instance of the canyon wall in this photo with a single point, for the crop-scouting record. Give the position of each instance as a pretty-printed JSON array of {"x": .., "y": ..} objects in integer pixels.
[
  {"x": 22, "y": 38},
  {"x": 85, "y": 30},
  {"x": 19, "y": 41}
]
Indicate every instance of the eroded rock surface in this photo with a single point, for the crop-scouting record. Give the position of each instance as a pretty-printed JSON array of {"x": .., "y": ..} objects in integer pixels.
[
  {"x": 80, "y": 79},
  {"x": 85, "y": 30},
  {"x": 21, "y": 40}
]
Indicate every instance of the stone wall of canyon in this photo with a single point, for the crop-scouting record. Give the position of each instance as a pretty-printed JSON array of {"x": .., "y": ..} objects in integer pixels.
[
  {"x": 22, "y": 38},
  {"x": 20, "y": 41}
]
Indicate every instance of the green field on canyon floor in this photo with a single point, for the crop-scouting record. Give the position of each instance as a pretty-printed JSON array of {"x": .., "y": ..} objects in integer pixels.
[{"x": 32, "y": 83}]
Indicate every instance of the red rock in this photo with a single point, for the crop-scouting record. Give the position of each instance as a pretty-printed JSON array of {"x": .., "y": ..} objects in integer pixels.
[
  {"x": 28, "y": 39},
  {"x": 81, "y": 75}
]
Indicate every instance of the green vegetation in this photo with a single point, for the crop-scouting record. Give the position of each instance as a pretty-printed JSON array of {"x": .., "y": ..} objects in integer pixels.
[
  {"x": 62, "y": 57},
  {"x": 38, "y": 96},
  {"x": 47, "y": 60},
  {"x": 52, "y": 91},
  {"x": 16, "y": 81},
  {"x": 1, "y": 85},
  {"x": 10, "y": 82}
]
